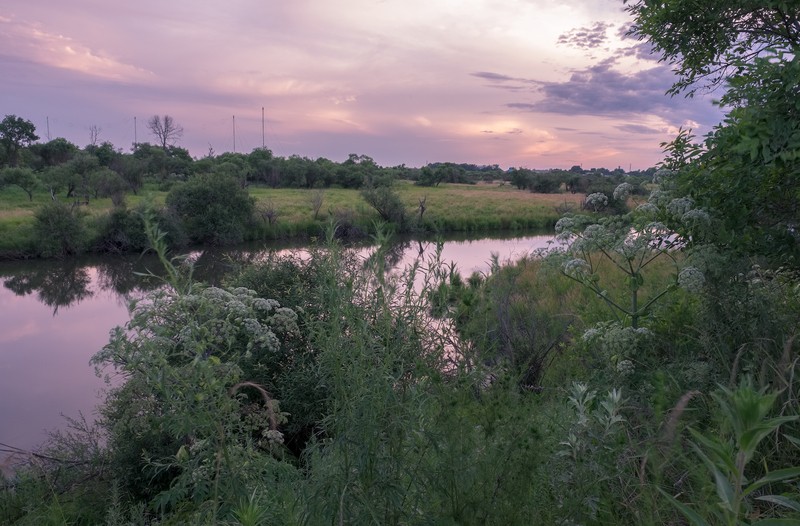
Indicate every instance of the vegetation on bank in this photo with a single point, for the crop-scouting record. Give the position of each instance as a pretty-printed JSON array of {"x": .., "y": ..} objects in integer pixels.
[
  {"x": 102, "y": 192},
  {"x": 264, "y": 213},
  {"x": 643, "y": 373}
]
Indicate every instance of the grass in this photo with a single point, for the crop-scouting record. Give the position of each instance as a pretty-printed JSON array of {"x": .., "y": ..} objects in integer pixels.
[{"x": 449, "y": 208}]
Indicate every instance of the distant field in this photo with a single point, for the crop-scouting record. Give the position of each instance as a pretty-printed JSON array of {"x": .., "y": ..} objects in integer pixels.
[{"x": 449, "y": 207}]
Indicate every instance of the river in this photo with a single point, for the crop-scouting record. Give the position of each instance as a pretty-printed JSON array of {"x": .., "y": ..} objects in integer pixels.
[{"x": 56, "y": 315}]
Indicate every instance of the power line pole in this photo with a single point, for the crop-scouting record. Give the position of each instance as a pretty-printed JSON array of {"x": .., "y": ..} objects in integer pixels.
[
  {"x": 135, "y": 141},
  {"x": 262, "y": 128},
  {"x": 234, "y": 134},
  {"x": 48, "y": 127}
]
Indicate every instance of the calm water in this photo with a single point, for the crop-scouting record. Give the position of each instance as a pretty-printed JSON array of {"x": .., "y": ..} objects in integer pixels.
[{"x": 56, "y": 315}]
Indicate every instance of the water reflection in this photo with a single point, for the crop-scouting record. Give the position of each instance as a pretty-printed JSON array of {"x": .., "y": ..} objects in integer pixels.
[
  {"x": 61, "y": 284},
  {"x": 55, "y": 285},
  {"x": 57, "y": 314}
]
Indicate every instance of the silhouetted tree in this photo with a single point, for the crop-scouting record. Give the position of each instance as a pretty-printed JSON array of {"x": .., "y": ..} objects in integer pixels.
[{"x": 165, "y": 130}]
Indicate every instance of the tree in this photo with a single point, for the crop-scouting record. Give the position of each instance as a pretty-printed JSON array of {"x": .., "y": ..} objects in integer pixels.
[
  {"x": 744, "y": 174},
  {"x": 165, "y": 130},
  {"x": 386, "y": 201},
  {"x": 21, "y": 177},
  {"x": 55, "y": 152},
  {"x": 15, "y": 133},
  {"x": 73, "y": 175},
  {"x": 708, "y": 42}
]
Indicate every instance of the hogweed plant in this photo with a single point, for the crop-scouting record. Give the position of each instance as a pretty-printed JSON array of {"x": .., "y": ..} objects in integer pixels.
[
  {"x": 630, "y": 250},
  {"x": 190, "y": 356},
  {"x": 631, "y": 244}
]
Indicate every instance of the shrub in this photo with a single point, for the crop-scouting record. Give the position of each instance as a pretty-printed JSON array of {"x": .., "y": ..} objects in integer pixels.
[
  {"x": 386, "y": 201},
  {"x": 59, "y": 230},
  {"x": 212, "y": 209}
]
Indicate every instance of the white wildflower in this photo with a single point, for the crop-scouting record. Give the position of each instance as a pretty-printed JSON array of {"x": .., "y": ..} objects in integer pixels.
[
  {"x": 679, "y": 206},
  {"x": 265, "y": 305},
  {"x": 577, "y": 268},
  {"x": 647, "y": 208},
  {"x": 625, "y": 367},
  {"x": 691, "y": 279},
  {"x": 622, "y": 191},
  {"x": 662, "y": 175},
  {"x": 696, "y": 216},
  {"x": 596, "y": 201},
  {"x": 659, "y": 197},
  {"x": 591, "y": 334}
]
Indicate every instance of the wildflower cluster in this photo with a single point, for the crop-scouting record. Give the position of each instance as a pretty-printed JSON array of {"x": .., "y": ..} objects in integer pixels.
[
  {"x": 619, "y": 345},
  {"x": 596, "y": 201},
  {"x": 691, "y": 279}
]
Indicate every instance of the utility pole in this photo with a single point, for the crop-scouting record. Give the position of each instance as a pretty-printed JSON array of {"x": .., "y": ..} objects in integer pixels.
[
  {"x": 135, "y": 141},
  {"x": 262, "y": 128},
  {"x": 48, "y": 127},
  {"x": 234, "y": 134}
]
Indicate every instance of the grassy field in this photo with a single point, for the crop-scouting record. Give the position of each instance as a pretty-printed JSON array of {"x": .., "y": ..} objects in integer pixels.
[{"x": 449, "y": 207}]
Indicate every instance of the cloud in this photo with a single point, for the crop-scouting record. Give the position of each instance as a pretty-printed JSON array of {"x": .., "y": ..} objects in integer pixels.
[
  {"x": 586, "y": 37},
  {"x": 505, "y": 82},
  {"x": 29, "y": 42},
  {"x": 638, "y": 128},
  {"x": 603, "y": 90},
  {"x": 488, "y": 75}
]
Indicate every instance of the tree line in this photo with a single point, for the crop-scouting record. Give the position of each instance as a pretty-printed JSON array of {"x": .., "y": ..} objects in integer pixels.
[{"x": 100, "y": 169}]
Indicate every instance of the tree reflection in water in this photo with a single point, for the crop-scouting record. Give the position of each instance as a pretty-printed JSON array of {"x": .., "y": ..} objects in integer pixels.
[{"x": 58, "y": 285}]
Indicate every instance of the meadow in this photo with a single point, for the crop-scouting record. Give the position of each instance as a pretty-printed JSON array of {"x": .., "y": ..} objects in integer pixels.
[{"x": 287, "y": 213}]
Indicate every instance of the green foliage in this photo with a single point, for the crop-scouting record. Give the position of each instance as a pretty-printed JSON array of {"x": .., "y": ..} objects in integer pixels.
[
  {"x": 188, "y": 400},
  {"x": 513, "y": 319},
  {"x": 24, "y": 178},
  {"x": 589, "y": 470},
  {"x": 55, "y": 152},
  {"x": 386, "y": 201},
  {"x": 746, "y": 172},
  {"x": 743, "y": 175},
  {"x": 707, "y": 46},
  {"x": 727, "y": 456},
  {"x": 59, "y": 230},
  {"x": 15, "y": 133},
  {"x": 212, "y": 209}
]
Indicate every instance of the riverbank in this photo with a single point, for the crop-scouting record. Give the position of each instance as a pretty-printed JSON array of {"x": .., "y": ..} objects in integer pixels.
[{"x": 301, "y": 213}]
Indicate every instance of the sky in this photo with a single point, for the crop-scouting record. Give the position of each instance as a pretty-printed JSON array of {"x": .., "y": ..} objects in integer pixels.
[{"x": 518, "y": 83}]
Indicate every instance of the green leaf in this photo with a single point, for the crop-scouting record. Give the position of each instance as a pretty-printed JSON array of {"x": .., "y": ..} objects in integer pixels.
[
  {"x": 753, "y": 436},
  {"x": 780, "y": 500},
  {"x": 777, "y": 522},
  {"x": 722, "y": 454},
  {"x": 723, "y": 485},
  {"x": 773, "y": 476},
  {"x": 688, "y": 512},
  {"x": 793, "y": 440}
]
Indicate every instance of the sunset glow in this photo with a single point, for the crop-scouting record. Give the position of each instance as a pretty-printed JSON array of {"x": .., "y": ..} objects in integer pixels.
[{"x": 531, "y": 83}]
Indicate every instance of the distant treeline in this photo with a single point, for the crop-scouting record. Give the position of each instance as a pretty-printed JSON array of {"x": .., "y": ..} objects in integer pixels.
[{"x": 103, "y": 170}]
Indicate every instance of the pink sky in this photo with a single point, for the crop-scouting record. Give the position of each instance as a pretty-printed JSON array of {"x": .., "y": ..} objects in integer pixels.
[{"x": 531, "y": 83}]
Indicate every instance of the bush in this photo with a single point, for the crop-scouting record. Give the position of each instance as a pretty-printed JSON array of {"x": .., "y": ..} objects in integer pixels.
[
  {"x": 122, "y": 230},
  {"x": 386, "y": 201},
  {"x": 212, "y": 209},
  {"x": 59, "y": 230}
]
